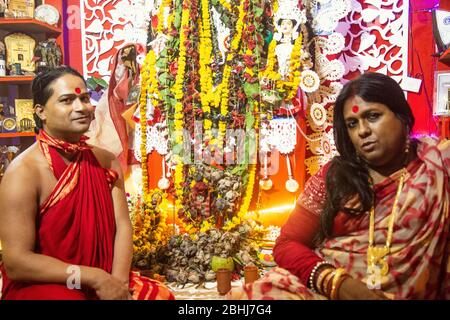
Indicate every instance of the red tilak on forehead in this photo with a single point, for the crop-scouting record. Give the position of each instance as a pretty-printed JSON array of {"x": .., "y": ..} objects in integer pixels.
[
  {"x": 77, "y": 90},
  {"x": 355, "y": 109}
]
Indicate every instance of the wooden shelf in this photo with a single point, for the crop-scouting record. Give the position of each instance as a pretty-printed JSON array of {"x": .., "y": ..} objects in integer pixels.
[
  {"x": 17, "y": 134},
  {"x": 28, "y": 25},
  {"x": 16, "y": 79}
]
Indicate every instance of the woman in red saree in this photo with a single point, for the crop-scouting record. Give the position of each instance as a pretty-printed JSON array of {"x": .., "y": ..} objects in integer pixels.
[
  {"x": 64, "y": 222},
  {"x": 374, "y": 222}
]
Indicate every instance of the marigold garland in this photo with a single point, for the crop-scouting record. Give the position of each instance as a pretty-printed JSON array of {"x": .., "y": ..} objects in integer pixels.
[
  {"x": 147, "y": 66},
  {"x": 223, "y": 91},
  {"x": 177, "y": 89},
  {"x": 206, "y": 84},
  {"x": 226, "y": 5}
]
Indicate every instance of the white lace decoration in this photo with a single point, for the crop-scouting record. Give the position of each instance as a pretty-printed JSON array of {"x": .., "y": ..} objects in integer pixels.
[
  {"x": 310, "y": 81},
  {"x": 381, "y": 28},
  {"x": 327, "y": 13},
  {"x": 106, "y": 26},
  {"x": 157, "y": 139},
  {"x": 280, "y": 134},
  {"x": 328, "y": 147}
]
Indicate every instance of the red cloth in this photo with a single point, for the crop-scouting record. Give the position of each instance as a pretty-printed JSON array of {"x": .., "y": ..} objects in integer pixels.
[
  {"x": 118, "y": 92},
  {"x": 76, "y": 224}
]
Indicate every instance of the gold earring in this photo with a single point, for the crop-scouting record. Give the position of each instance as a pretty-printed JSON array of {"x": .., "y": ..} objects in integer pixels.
[{"x": 408, "y": 145}]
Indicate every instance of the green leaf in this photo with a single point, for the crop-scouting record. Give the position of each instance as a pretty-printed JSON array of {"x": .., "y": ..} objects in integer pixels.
[
  {"x": 258, "y": 11},
  {"x": 91, "y": 83},
  {"x": 161, "y": 63},
  {"x": 177, "y": 21},
  {"x": 101, "y": 82},
  {"x": 177, "y": 149},
  {"x": 173, "y": 101},
  {"x": 249, "y": 120},
  {"x": 238, "y": 170},
  {"x": 250, "y": 89},
  {"x": 163, "y": 77}
]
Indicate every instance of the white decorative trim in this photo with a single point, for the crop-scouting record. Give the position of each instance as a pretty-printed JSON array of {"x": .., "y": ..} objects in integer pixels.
[{"x": 128, "y": 21}]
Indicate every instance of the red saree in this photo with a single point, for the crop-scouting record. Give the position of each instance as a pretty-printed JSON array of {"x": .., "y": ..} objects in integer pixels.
[
  {"x": 419, "y": 264},
  {"x": 76, "y": 224}
]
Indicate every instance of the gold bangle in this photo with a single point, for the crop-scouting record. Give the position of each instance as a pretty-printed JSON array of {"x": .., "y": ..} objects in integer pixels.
[
  {"x": 336, "y": 283},
  {"x": 326, "y": 284},
  {"x": 321, "y": 278}
]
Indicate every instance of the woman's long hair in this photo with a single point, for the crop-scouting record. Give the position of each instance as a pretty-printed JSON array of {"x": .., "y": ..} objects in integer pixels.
[
  {"x": 42, "y": 91},
  {"x": 347, "y": 176}
]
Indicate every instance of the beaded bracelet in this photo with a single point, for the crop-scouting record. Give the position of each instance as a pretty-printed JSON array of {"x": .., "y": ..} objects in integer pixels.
[
  {"x": 339, "y": 276},
  {"x": 313, "y": 274}
]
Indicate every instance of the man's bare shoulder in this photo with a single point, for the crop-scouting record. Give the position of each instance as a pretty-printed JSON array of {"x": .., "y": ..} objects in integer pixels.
[
  {"x": 25, "y": 168},
  {"x": 106, "y": 158}
]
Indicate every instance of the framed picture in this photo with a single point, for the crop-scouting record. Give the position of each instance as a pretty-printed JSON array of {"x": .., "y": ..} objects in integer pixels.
[
  {"x": 20, "y": 50},
  {"x": 442, "y": 93},
  {"x": 24, "y": 114},
  {"x": 21, "y": 9}
]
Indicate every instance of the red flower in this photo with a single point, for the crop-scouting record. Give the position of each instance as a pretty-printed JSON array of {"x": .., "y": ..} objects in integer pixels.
[
  {"x": 251, "y": 28},
  {"x": 247, "y": 77},
  {"x": 249, "y": 60},
  {"x": 154, "y": 21},
  {"x": 173, "y": 68},
  {"x": 238, "y": 69},
  {"x": 251, "y": 44}
]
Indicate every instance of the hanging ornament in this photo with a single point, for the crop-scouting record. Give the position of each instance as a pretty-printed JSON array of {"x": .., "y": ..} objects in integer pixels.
[
  {"x": 291, "y": 184},
  {"x": 265, "y": 183},
  {"x": 163, "y": 183},
  {"x": 310, "y": 81}
]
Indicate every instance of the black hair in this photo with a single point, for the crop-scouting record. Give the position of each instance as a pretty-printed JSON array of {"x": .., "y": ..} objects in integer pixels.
[
  {"x": 348, "y": 176},
  {"x": 294, "y": 22},
  {"x": 42, "y": 90}
]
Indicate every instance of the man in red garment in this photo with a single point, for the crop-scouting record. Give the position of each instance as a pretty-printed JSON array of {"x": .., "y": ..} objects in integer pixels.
[{"x": 64, "y": 223}]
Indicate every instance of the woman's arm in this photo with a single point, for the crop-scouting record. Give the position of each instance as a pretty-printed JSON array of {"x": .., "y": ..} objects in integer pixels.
[{"x": 293, "y": 248}]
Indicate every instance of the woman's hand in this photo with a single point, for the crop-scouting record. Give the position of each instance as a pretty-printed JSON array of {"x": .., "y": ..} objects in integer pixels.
[
  {"x": 352, "y": 289},
  {"x": 107, "y": 287}
]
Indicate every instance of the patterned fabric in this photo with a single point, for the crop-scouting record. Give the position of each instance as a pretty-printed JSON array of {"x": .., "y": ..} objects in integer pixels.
[
  {"x": 144, "y": 288},
  {"x": 277, "y": 284},
  {"x": 70, "y": 148},
  {"x": 419, "y": 264},
  {"x": 420, "y": 246}
]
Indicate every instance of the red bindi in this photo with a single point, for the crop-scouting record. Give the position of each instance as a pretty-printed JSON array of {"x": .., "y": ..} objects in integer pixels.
[
  {"x": 77, "y": 90},
  {"x": 355, "y": 109}
]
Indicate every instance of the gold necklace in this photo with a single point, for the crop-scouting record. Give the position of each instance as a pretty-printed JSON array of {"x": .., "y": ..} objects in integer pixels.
[{"x": 376, "y": 256}]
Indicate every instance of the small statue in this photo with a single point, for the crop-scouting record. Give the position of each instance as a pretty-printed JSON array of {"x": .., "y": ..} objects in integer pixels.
[
  {"x": 48, "y": 54},
  {"x": 287, "y": 20}
]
